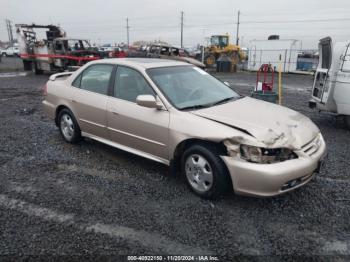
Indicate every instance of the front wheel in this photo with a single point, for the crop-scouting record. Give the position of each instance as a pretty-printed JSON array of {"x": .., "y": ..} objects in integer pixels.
[
  {"x": 205, "y": 172},
  {"x": 210, "y": 60},
  {"x": 69, "y": 127}
]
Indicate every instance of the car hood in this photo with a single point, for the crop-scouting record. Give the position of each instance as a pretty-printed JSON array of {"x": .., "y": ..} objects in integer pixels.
[{"x": 270, "y": 124}]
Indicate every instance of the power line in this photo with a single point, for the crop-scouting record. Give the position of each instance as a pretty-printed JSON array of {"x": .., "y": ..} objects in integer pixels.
[
  {"x": 152, "y": 26},
  {"x": 299, "y": 21},
  {"x": 273, "y": 22}
]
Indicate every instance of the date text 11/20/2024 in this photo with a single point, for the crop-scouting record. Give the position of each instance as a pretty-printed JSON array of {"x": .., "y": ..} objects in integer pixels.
[{"x": 172, "y": 258}]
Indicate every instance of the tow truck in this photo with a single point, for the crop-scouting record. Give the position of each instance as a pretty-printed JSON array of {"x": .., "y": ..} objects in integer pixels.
[{"x": 56, "y": 53}]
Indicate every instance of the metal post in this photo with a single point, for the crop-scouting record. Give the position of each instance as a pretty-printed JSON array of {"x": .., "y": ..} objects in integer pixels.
[
  {"x": 182, "y": 29},
  {"x": 127, "y": 31},
  {"x": 280, "y": 80},
  {"x": 202, "y": 54},
  {"x": 285, "y": 60},
  {"x": 202, "y": 49},
  {"x": 237, "y": 36}
]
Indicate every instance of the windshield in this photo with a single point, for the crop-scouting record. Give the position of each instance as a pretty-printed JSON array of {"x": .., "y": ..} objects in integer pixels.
[
  {"x": 221, "y": 41},
  {"x": 77, "y": 44},
  {"x": 190, "y": 87}
]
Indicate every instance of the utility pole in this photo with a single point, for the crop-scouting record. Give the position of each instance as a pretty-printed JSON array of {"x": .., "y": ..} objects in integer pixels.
[
  {"x": 9, "y": 31},
  {"x": 7, "y": 28},
  {"x": 202, "y": 49},
  {"x": 237, "y": 37},
  {"x": 127, "y": 31},
  {"x": 182, "y": 29}
]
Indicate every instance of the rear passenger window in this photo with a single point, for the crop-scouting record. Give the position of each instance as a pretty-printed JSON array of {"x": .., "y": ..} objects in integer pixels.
[
  {"x": 129, "y": 84},
  {"x": 96, "y": 78}
]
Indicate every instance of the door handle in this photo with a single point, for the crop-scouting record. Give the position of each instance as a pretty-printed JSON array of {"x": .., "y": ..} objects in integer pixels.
[
  {"x": 73, "y": 101},
  {"x": 114, "y": 112}
]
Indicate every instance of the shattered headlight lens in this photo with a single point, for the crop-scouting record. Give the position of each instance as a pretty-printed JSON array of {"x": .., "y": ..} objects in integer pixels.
[{"x": 266, "y": 155}]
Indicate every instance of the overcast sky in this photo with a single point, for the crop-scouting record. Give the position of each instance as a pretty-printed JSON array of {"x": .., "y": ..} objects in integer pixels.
[{"x": 105, "y": 21}]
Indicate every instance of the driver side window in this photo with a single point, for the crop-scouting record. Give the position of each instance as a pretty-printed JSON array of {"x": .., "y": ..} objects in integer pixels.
[{"x": 129, "y": 84}]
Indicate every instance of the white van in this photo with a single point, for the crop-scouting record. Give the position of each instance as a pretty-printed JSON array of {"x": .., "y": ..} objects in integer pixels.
[{"x": 331, "y": 89}]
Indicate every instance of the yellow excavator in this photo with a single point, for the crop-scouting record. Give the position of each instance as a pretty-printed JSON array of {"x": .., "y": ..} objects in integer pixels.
[{"x": 220, "y": 46}]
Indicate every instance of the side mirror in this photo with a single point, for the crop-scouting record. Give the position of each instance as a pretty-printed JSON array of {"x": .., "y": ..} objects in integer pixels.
[{"x": 148, "y": 101}]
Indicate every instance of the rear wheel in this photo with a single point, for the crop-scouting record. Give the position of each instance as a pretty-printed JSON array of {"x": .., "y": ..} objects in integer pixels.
[
  {"x": 69, "y": 127},
  {"x": 347, "y": 121},
  {"x": 205, "y": 172},
  {"x": 35, "y": 69},
  {"x": 27, "y": 66}
]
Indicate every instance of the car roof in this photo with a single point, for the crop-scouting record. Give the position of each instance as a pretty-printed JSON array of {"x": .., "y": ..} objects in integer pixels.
[{"x": 141, "y": 62}]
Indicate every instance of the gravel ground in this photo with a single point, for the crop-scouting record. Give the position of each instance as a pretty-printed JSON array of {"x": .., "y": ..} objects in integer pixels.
[{"x": 92, "y": 200}]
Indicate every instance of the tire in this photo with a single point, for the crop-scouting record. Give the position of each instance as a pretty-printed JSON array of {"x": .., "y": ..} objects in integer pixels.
[
  {"x": 4, "y": 54},
  {"x": 27, "y": 66},
  {"x": 210, "y": 60},
  {"x": 35, "y": 69},
  {"x": 68, "y": 126},
  {"x": 347, "y": 121},
  {"x": 205, "y": 172}
]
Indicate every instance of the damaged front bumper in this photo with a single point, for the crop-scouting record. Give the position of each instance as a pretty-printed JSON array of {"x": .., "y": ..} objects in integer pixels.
[{"x": 266, "y": 180}]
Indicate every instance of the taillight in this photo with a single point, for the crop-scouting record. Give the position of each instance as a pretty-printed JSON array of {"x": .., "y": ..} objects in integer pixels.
[{"x": 45, "y": 90}]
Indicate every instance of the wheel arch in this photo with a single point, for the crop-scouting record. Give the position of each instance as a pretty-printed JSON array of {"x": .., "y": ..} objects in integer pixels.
[
  {"x": 58, "y": 110},
  {"x": 175, "y": 162},
  {"x": 225, "y": 181}
]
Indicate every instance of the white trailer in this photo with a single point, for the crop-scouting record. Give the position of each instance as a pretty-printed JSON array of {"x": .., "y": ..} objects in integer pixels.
[
  {"x": 331, "y": 88},
  {"x": 270, "y": 51}
]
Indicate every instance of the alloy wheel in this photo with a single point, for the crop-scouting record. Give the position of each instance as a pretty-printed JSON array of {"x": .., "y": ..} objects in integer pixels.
[
  {"x": 67, "y": 126},
  {"x": 199, "y": 173}
]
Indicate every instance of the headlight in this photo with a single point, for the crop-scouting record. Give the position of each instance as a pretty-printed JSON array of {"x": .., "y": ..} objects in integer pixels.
[{"x": 265, "y": 155}]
